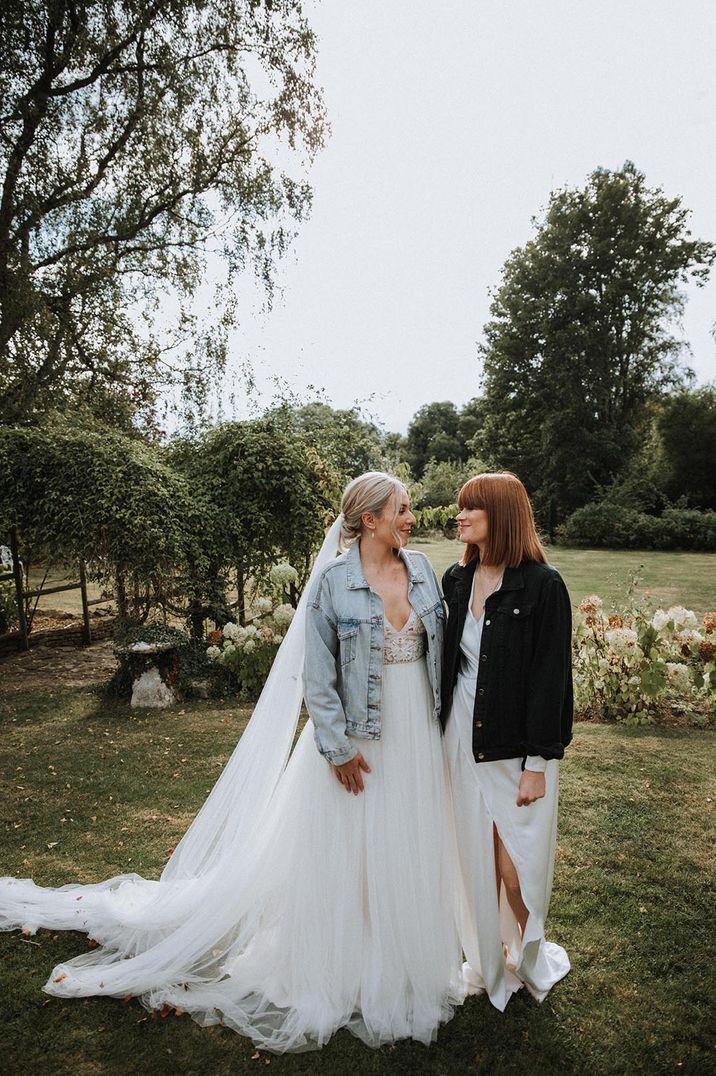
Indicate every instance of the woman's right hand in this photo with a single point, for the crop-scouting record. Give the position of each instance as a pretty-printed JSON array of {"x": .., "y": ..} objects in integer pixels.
[{"x": 349, "y": 774}]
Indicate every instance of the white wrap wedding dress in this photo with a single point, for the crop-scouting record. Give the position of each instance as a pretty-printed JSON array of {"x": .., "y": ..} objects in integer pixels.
[{"x": 500, "y": 959}]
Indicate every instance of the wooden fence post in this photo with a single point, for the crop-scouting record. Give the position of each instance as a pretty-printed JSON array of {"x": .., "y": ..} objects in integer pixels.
[
  {"x": 19, "y": 593},
  {"x": 86, "y": 629}
]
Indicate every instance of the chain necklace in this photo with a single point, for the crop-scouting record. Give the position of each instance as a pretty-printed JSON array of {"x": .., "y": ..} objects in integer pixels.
[
  {"x": 497, "y": 584},
  {"x": 489, "y": 593}
]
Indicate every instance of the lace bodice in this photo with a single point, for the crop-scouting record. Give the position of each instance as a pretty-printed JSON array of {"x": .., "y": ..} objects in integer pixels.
[{"x": 405, "y": 645}]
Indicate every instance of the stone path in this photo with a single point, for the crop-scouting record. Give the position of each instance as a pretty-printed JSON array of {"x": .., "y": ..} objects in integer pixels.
[{"x": 54, "y": 666}]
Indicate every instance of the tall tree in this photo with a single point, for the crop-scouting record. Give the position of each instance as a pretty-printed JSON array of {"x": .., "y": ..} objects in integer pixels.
[
  {"x": 136, "y": 139},
  {"x": 581, "y": 335},
  {"x": 686, "y": 453},
  {"x": 433, "y": 434},
  {"x": 347, "y": 443}
]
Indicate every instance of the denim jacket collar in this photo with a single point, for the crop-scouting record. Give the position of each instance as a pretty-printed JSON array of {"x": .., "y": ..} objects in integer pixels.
[{"x": 355, "y": 579}]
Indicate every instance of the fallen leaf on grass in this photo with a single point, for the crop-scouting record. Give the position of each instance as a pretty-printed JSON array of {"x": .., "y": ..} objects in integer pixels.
[
  {"x": 165, "y": 1010},
  {"x": 126, "y": 1000},
  {"x": 92, "y": 943}
]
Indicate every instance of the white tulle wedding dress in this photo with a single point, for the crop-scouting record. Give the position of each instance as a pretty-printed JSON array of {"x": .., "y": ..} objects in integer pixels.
[{"x": 290, "y": 908}]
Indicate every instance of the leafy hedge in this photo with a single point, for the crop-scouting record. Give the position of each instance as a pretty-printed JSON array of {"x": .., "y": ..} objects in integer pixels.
[
  {"x": 175, "y": 527},
  {"x": 105, "y": 497},
  {"x": 612, "y": 526}
]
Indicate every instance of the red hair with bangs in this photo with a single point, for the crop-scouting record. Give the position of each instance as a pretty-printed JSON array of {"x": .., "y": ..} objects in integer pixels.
[{"x": 512, "y": 536}]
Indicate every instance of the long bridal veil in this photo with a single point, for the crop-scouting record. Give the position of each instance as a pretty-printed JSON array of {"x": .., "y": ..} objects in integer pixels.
[{"x": 172, "y": 940}]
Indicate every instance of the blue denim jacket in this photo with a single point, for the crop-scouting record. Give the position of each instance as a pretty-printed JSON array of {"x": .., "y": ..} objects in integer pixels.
[{"x": 343, "y": 669}]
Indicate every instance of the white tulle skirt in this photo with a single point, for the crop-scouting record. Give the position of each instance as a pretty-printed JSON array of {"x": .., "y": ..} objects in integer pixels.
[{"x": 343, "y": 914}]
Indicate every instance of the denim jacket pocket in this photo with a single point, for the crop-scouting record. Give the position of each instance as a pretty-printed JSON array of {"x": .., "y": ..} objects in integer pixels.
[
  {"x": 347, "y": 631},
  {"x": 513, "y": 628}
]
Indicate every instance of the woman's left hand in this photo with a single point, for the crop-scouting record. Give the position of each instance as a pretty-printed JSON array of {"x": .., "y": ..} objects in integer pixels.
[{"x": 532, "y": 787}]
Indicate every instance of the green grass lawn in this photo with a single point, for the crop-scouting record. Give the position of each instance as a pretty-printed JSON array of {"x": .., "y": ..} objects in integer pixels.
[
  {"x": 113, "y": 790},
  {"x": 668, "y": 578}
]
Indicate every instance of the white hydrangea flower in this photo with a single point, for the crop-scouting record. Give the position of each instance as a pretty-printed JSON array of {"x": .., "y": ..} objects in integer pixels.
[
  {"x": 678, "y": 674},
  {"x": 283, "y": 574},
  {"x": 688, "y": 637},
  {"x": 659, "y": 620},
  {"x": 229, "y": 646},
  {"x": 283, "y": 615},
  {"x": 263, "y": 605},
  {"x": 622, "y": 640},
  {"x": 634, "y": 680},
  {"x": 213, "y": 653},
  {"x": 682, "y": 617},
  {"x": 603, "y": 664},
  {"x": 249, "y": 645},
  {"x": 230, "y": 630}
]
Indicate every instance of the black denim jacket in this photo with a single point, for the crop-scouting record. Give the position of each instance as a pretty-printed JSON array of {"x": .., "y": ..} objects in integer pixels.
[{"x": 524, "y": 700}]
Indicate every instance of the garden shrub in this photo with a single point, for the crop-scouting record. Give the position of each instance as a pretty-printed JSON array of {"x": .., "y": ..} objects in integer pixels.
[
  {"x": 634, "y": 666},
  {"x": 607, "y": 525}
]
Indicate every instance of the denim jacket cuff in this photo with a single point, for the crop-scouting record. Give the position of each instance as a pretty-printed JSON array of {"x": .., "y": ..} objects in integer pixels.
[{"x": 340, "y": 755}]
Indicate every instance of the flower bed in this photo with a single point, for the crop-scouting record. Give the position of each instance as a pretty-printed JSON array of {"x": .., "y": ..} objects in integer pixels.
[
  {"x": 640, "y": 667},
  {"x": 246, "y": 653}
]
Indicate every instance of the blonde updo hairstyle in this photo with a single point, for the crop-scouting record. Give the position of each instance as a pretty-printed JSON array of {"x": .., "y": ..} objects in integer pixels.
[{"x": 369, "y": 492}]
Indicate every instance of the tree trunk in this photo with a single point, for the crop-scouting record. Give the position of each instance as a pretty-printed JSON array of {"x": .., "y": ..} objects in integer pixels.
[
  {"x": 241, "y": 595},
  {"x": 19, "y": 589},
  {"x": 121, "y": 592},
  {"x": 196, "y": 618}
]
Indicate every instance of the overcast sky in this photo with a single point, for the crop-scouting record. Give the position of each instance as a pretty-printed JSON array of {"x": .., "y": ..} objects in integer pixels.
[{"x": 452, "y": 122}]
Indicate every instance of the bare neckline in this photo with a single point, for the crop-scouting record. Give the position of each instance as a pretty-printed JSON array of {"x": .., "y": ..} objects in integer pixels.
[
  {"x": 399, "y": 631},
  {"x": 472, "y": 591}
]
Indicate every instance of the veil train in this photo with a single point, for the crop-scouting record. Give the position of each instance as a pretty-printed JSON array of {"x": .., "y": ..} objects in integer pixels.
[{"x": 160, "y": 940}]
